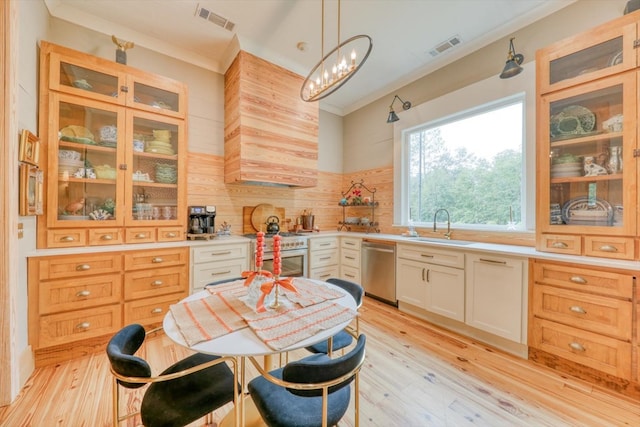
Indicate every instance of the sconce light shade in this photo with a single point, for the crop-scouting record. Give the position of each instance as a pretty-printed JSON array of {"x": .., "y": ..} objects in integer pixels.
[
  {"x": 393, "y": 117},
  {"x": 512, "y": 66}
]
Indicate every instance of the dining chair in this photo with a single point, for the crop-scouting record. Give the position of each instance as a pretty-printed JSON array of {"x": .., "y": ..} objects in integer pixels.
[
  {"x": 184, "y": 392},
  {"x": 309, "y": 392},
  {"x": 342, "y": 339}
]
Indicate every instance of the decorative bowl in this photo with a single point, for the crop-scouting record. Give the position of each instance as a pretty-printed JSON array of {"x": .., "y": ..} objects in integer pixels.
[
  {"x": 69, "y": 155},
  {"x": 162, "y": 135},
  {"x": 108, "y": 133},
  {"x": 351, "y": 220},
  {"x": 105, "y": 172}
]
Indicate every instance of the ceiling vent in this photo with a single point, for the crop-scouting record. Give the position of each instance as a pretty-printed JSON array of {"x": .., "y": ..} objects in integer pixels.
[
  {"x": 446, "y": 45},
  {"x": 220, "y": 21}
]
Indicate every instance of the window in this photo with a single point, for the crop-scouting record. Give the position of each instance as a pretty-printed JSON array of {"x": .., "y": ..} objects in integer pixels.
[{"x": 470, "y": 163}]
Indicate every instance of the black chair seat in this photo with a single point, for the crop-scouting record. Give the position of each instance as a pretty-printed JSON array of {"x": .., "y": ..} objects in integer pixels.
[{"x": 340, "y": 340}]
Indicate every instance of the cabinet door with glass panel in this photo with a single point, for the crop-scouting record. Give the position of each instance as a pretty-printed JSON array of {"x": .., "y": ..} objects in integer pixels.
[
  {"x": 84, "y": 164},
  {"x": 605, "y": 50},
  {"x": 155, "y": 169},
  {"x": 586, "y": 166}
]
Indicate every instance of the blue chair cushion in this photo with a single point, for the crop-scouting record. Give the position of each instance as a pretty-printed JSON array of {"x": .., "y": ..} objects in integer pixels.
[{"x": 120, "y": 350}]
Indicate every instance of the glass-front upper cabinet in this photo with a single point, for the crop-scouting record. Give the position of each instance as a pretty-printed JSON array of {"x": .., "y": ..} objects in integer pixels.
[
  {"x": 587, "y": 170},
  {"x": 598, "y": 53}
]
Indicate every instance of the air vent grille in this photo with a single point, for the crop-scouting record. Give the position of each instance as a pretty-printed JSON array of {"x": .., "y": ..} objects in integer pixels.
[
  {"x": 446, "y": 45},
  {"x": 214, "y": 18}
]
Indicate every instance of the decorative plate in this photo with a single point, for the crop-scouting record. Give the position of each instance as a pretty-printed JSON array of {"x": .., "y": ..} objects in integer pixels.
[
  {"x": 616, "y": 59},
  {"x": 572, "y": 120},
  {"x": 578, "y": 212}
]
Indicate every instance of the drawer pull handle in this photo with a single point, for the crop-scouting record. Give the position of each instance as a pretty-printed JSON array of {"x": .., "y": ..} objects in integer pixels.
[
  {"x": 324, "y": 258},
  {"x": 83, "y": 325},
  {"x": 221, "y": 272},
  {"x": 493, "y": 261},
  {"x": 141, "y": 236},
  {"x": 157, "y": 283},
  {"x": 349, "y": 244},
  {"x": 157, "y": 260},
  {"x": 324, "y": 244},
  {"x": 172, "y": 234},
  {"x": 578, "y": 279},
  {"x": 220, "y": 253},
  {"x": 426, "y": 256},
  {"x": 608, "y": 248},
  {"x": 350, "y": 257},
  {"x": 577, "y": 346},
  {"x": 84, "y": 293},
  {"x": 559, "y": 245},
  {"x": 157, "y": 310},
  {"x": 350, "y": 275},
  {"x": 577, "y": 309},
  {"x": 106, "y": 237},
  {"x": 67, "y": 239},
  {"x": 83, "y": 267},
  {"x": 423, "y": 274},
  {"x": 325, "y": 275}
]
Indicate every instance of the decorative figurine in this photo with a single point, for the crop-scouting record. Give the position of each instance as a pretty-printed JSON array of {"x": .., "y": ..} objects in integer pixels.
[
  {"x": 73, "y": 208},
  {"x": 121, "y": 52}
]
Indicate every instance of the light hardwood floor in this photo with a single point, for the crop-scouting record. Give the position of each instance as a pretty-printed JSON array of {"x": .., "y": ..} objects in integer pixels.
[{"x": 415, "y": 375}]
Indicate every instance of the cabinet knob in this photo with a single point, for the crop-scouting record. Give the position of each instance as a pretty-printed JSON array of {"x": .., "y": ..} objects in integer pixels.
[
  {"x": 156, "y": 310},
  {"x": 106, "y": 237},
  {"x": 608, "y": 248},
  {"x": 157, "y": 283},
  {"x": 83, "y": 267},
  {"x": 577, "y": 346},
  {"x": 172, "y": 234},
  {"x": 141, "y": 236},
  {"x": 559, "y": 245},
  {"x": 67, "y": 239},
  {"x": 83, "y": 325},
  {"x": 157, "y": 260},
  {"x": 577, "y": 309},
  {"x": 83, "y": 293},
  {"x": 578, "y": 279}
]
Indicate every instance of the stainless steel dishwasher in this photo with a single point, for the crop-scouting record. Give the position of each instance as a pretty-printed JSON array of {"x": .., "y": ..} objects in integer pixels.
[{"x": 379, "y": 270}]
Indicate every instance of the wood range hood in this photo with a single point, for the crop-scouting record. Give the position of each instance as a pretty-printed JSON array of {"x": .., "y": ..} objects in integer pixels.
[{"x": 270, "y": 134}]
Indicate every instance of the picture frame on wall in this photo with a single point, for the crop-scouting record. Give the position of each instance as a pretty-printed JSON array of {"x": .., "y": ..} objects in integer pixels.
[
  {"x": 31, "y": 190},
  {"x": 29, "y": 148}
]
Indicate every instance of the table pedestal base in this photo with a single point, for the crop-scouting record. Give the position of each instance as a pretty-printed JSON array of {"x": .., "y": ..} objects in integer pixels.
[{"x": 252, "y": 417}]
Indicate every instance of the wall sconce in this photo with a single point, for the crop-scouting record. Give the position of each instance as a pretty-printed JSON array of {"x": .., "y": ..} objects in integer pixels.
[
  {"x": 514, "y": 60},
  {"x": 393, "y": 117}
]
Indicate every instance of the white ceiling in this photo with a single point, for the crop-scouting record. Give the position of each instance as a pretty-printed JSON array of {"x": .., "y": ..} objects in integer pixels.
[{"x": 403, "y": 33}]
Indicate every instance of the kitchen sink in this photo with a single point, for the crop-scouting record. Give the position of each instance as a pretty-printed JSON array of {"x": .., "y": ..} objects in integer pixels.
[{"x": 443, "y": 241}]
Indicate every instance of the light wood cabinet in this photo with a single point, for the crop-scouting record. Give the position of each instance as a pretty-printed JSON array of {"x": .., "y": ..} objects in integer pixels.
[
  {"x": 324, "y": 258},
  {"x": 212, "y": 263},
  {"x": 587, "y": 132},
  {"x": 585, "y": 317},
  {"x": 76, "y": 302},
  {"x": 350, "y": 259},
  {"x": 494, "y": 294},
  {"x": 116, "y": 149}
]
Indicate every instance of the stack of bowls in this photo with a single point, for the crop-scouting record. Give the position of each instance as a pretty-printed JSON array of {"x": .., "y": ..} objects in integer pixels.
[
  {"x": 69, "y": 162},
  {"x": 166, "y": 173},
  {"x": 161, "y": 143},
  {"x": 565, "y": 170}
]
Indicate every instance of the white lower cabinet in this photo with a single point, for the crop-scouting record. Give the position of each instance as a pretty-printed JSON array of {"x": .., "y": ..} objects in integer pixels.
[
  {"x": 324, "y": 258},
  {"x": 350, "y": 259},
  {"x": 215, "y": 262},
  {"x": 495, "y": 294}
]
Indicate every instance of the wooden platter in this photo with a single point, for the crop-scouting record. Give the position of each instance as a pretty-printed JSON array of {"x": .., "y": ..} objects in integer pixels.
[{"x": 254, "y": 218}]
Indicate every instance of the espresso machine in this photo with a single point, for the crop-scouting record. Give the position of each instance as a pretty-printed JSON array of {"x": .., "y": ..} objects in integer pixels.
[{"x": 201, "y": 219}]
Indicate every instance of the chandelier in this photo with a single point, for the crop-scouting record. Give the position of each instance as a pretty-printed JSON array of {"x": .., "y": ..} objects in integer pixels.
[{"x": 334, "y": 70}]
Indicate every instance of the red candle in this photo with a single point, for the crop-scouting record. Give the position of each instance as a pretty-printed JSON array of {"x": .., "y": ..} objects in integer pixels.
[
  {"x": 259, "y": 249},
  {"x": 277, "y": 267}
]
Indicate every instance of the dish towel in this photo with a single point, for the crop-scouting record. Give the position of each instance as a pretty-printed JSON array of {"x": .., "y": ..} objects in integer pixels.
[{"x": 310, "y": 293}]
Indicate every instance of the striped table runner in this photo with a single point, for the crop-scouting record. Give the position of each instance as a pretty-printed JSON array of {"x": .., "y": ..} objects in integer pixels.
[{"x": 310, "y": 293}]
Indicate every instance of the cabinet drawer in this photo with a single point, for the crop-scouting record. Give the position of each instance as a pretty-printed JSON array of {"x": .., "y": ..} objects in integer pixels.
[
  {"x": 319, "y": 243},
  {"x": 155, "y": 282},
  {"x": 105, "y": 236},
  {"x": 325, "y": 273},
  {"x": 351, "y": 274},
  {"x": 560, "y": 244},
  {"x": 609, "y": 247},
  {"x": 79, "y": 265},
  {"x": 140, "y": 235},
  {"x": 219, "y": 252},
  {"x": 583, "y": 279},
  {"x": 71, "y": 294},
  {"x": 444, "y": 257},
  {"x": 204, "y": 274},
  {"x": 324, "y": 258},
  {"x": 139, "y": 260},
  {"x": 170, "y": 234},
  {"x": 350, "y": 243},
  {"x": 350, "y": 257},
  {"x": 605, "y": 354},
  {"x": 77, "y": 325},
  {"x": 66, "y": 238},
  {"x": 150, "y": 310},
  {"x": 598, "y": 314}
]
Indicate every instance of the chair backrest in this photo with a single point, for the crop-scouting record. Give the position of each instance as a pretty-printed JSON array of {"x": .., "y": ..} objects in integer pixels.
[
  {"x": 120, "y": 351},
  {"x": 320, "y": 368},
  {"x": 356, "y": 290}
]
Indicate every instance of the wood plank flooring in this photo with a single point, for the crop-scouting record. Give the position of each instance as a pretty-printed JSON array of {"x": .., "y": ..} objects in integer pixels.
[{"x": 415, "y": 375}]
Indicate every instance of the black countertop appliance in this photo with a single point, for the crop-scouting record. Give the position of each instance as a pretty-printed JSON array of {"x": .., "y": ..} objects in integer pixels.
[{"x": 202, "y": 219}]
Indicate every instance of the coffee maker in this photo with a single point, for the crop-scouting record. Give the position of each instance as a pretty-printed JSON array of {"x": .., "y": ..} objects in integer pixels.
[{"x": 201, "y": 219}]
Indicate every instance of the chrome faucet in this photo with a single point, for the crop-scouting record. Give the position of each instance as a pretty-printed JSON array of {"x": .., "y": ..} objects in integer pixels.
[{"x": 448, "y": 233}]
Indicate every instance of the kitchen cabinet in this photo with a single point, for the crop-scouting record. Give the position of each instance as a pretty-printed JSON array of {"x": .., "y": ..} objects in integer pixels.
[
  {"x": 211, "y": 263},
  {"x": 116, "y": 142},
  {"x": 495, "y": 294},
  {"x": 585, "y": 317},
  {"x": 431, "y": 279},
  {"x": 587, "y": 143},
  {"x": 324, "y": 258},
  {"x": 77, "y": 301},
  {"x": 350, "y": 256}
]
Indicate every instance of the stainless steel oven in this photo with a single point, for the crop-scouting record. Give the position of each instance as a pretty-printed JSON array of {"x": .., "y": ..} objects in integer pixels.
[{"x": 293, "y": 251}]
